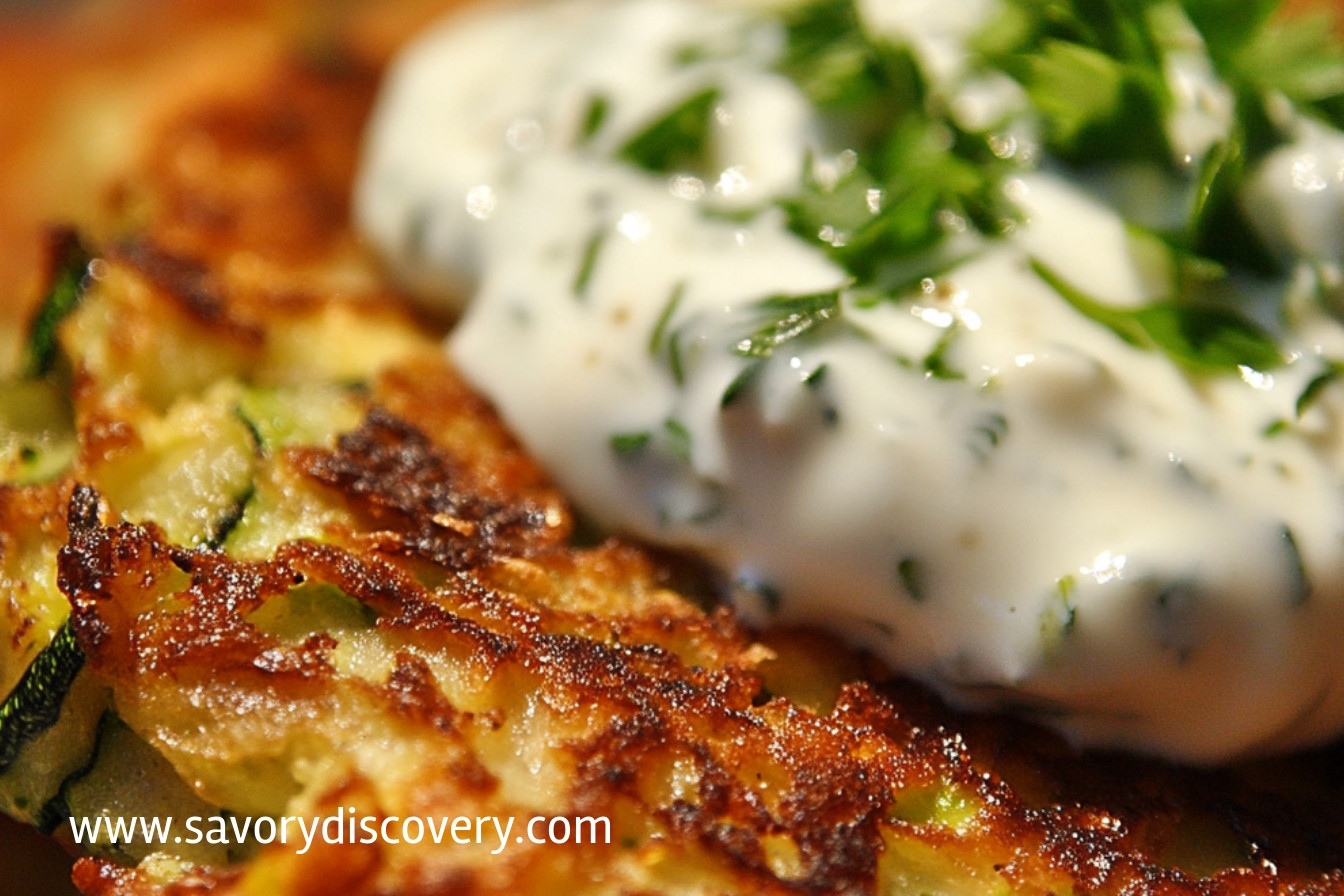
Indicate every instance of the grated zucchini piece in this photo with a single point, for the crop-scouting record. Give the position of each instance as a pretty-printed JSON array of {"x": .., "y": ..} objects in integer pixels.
[
  {"x": 191, "y": 473},
  {"x": 35, "y": 704},
  {"x": 37, "y": 431},
  {"x": 69, "y": 277},
  {"x": 126, "y": 779},
  {"x": 300, "y": 415},
  {"x": 48, "y": 727}
]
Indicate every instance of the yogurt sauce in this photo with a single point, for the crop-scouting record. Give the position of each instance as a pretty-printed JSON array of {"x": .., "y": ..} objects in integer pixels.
[{"x": 975, "y": 480}]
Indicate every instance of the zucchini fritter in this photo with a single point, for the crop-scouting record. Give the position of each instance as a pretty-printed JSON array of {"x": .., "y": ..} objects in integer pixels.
[{"x": 263, "y": 555}]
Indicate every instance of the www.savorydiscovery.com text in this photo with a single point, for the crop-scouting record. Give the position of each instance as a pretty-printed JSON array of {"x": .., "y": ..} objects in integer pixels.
[{"x": 344, "y": 827}]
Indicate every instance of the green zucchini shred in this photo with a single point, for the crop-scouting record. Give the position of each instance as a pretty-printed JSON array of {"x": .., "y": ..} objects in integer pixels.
[
  {"x": 48, "y": 729},
  {"x": 126, "y": 779},
  {"x": 37, "y": 431},
  {"x": 70, "y": 271},
  {"x": 35, "y": 703}
]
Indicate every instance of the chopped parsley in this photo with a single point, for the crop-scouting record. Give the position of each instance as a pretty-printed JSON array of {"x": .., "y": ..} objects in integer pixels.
[
  {"x": 935, "y": 362},
  {"x": 594, "y": 116},
  {"x": 629, "y": 444},
  {"x": 1201, "y": 336},
  {"x": 674, "y": 439},
  {"x": 679, "y": 140}
]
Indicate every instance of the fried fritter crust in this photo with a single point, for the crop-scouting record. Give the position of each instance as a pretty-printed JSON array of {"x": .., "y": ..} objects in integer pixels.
[{"x": 483, "y": 662}]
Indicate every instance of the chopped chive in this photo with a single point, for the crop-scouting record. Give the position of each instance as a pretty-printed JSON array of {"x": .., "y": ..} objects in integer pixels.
[
  {"x": 1317, "y": 385},
  {"x": 935, "y": 362},
  {"x": 629, "y": 444},
  {"x": 594, "y": 115},
  {"x": 788, "y": 317},
  {"x": 712, "y": 509},
  {"x": 913, "y": 578},
  {"x": 674, "y": 359},
  {"x": 679, "y": 439},
  {"x": 1059, "y": 616},
  {"x": 988, "y": 433},
  {"x": 665, "y": 317},
  {"x": 588, "y": 262},
  {"x": 689, "y": 54},
  {"x": 740, "y": 384},
  {"x": 1301, "y": 589}
]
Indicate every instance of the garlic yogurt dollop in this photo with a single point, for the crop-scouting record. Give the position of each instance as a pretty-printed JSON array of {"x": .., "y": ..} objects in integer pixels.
[{"x": 1003, "y": 348}]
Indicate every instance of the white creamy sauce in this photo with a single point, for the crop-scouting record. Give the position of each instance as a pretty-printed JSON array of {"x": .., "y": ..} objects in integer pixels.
[{"x": 1072, "y": 527}]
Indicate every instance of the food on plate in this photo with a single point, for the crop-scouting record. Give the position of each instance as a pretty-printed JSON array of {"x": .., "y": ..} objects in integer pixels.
[
  {"x": 272, "y": 569},
  {"x": 1003, "y": 337}
]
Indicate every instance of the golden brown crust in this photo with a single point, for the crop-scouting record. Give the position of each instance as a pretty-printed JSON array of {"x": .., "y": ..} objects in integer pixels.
[
  {"x": 839, "y": 795},
  {"x": 389, "y": 472}
]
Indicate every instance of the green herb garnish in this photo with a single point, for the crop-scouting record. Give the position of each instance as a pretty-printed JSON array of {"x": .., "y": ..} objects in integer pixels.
[
  {"x": 678, "y": 140},
  {"x": 739, "y": 384},
  {"x": 787, "y": 319},
  {"x": 913, "y": 577},
  {"x": 1202, "y": 337},
  {"x": 678, "y": 439},
  {"x": 1058, "y": 618},
  {"x": 935, "y": 362},
  {"x": 987, "y": 434},
  {"x": 901, "y": 183},
  {"x": 588, "y": 262},
  {"x": 1301, "y": 590},
  {"x": 594, "y": 116},
  {"x": 665, "y": 318},
  {"x": 1333, "y": 371},
  {"x": 629, "y": 444},
  {"x": 1097, "y": 75}
]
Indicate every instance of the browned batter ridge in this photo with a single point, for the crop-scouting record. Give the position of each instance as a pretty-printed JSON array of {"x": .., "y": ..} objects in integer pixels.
[{"x": 273, "y": 559}]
